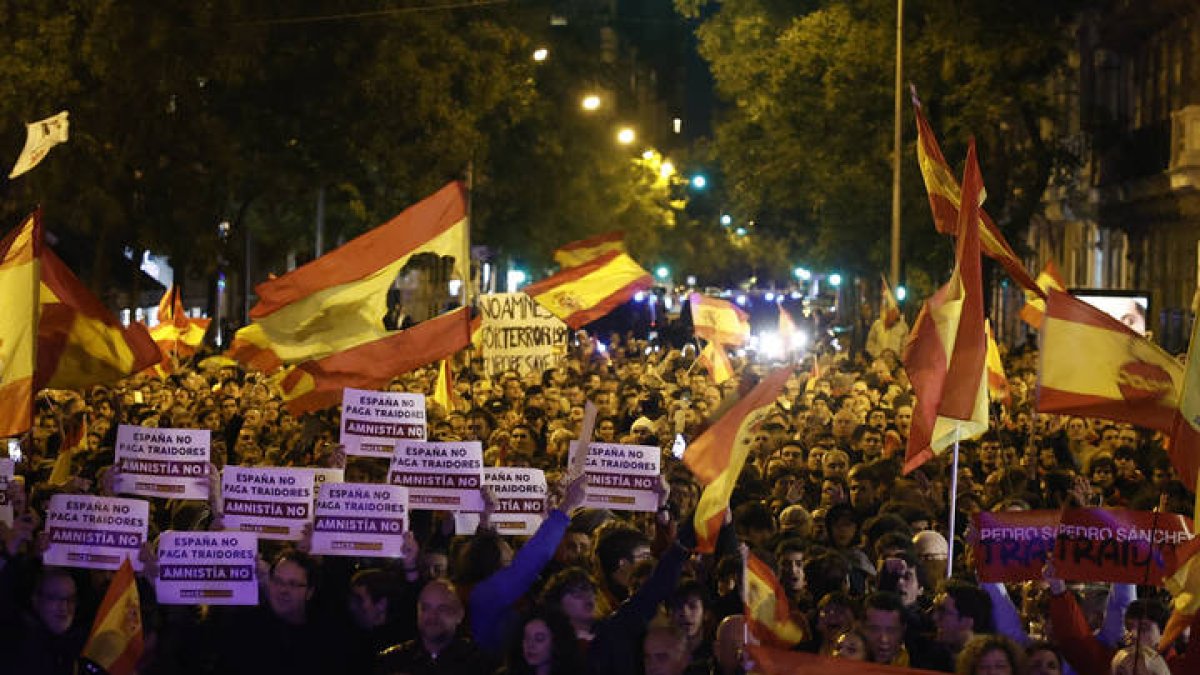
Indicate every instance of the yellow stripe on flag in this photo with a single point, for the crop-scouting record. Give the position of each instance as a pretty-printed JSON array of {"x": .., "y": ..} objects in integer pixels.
[
  {"x": 768, "y": 615},
  {"x": 115, "y": 643},
  {"x": 18, "y": 335},
  {"x": 585, "y": 293}
]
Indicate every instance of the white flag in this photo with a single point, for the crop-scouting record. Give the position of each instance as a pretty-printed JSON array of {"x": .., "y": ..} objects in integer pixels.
[{"x": 39, "y": 138}]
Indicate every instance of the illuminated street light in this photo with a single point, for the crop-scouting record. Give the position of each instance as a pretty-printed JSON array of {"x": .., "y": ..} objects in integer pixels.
[
  {"x": 741, "y": 232},
  {"x": 699, "y": 181},
  {"x": 667, "y": 169},
  {"x": 662, "y": 272},
  {"x": 802, "y": 274},
  {"x": 514, "y": 280},
  {"x": 540, "y": 54},
  {"x": 726, "y": 219},
  {"x": 835, "y": 280},
  {"x": 590, "y": 102},
  {"x": 901, "y": 293},
  {"x": 648, "y": 155},
  {"x": 626, "y": 135}
]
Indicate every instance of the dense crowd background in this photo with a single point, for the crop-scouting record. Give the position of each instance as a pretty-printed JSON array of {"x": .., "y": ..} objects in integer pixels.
[{"x": 860, "y": 550}]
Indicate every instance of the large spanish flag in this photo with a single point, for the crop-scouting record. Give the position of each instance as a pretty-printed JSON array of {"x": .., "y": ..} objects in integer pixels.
[
  {"x": 581, "y": 294},
  {"x": 318, "y": 384},
  {"x": 718, "y": 455},
  {"x": 946, "y": 354},
  {"x": 338, "y": 301},
  {"x": 768, "y": 614},
  {"x": 1095, "y": 366},
  {"x": 945, "y": 197},
  {"x": 18, "y": 335},
  {"x": 718, "y": 320},
  {"x": 1035, "y": 304},
  {"x": 115, "y": 644},
  {"x": 579, "y": 252}
]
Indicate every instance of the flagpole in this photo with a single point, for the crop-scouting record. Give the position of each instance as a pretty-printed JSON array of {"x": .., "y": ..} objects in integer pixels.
[
  {"x": 953, "y": 507},
  {"x": 465, "y": 291}
]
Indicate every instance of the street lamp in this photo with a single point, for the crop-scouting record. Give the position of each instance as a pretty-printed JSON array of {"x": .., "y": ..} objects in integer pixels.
[
  {"x": 662, "y": 272},
  {"x": 802, "y": 274},
  {"x": 626, "y": 136},
  {"x": 699, "y": 181},
  {"x": 726, "y": 219},
  {"x": 666, "y": 169},
  {"x": 590, "y": 103},
  {"x": 540, "y": 54},
  {"x": 835, "y": 280}
]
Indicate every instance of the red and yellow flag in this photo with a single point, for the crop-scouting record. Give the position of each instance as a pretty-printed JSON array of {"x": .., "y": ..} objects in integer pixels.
[
  {"x": 787, "y": 329},
  {"x": 581, "y": 294},
  {"x": 947, "y": 350},
  {"x": 718, "y": 455},
  {"x": 318, "y": 384},
  {"x": 584, "y": 250},
  {"x": 714, "y": 358},
  {"x": 945, "y": 196},
  {"x": 443, "y": 387},
  {"x": 1035, "y": 304},
  {"x": 768, "y": 614},
  {"x": 775, "y": 661},
  {"x": 718, "y": 320},
  {"x": 115, "y": 643},
  {"x": 998, "y": 389},
  {"x": 177, "y": 335},
  {"x": 18, "y": 332},
  {"x": 338, "y": 301}
]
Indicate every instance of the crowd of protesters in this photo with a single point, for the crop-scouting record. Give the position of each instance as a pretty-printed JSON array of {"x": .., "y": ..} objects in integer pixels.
[{"x": 860, "y": 550}]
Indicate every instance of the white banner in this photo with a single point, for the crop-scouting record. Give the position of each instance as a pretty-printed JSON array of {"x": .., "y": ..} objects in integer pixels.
[
  {"x": 516, "y": 333},
  {"x": 440, "y": 476},
  {"x": 621, "y": 477},
  {"x": 95, "y": 532},
  {"x": 162, "y": 462},
  {"x": 207, "y": 568},
  {"x": 275, "y": 503},
  {"x": 360, "y": 519},
  {"x": 373, "y": 421},
  {"x": 521, "y": 494}
]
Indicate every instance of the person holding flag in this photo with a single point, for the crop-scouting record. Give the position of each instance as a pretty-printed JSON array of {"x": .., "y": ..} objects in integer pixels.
[{"x": 890, "y": 330}]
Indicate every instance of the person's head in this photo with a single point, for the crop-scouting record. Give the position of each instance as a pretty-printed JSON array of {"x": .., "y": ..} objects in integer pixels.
[
  {"x": 844, "y": 424},
  {"x": 439, "y": 613},
  {"x": 368, "y": 598},
  {"x": 575, "y": 547},
  {"x": 571, "y": 592},
  {"x": 665, "y": 651},
  {"x": 686, "y": 606},
  {"x": 435, "y": 563},
  {"x": 883, "y": 624},
  {"x": 796, "y": 521},
  {"x": 1144, "y": 622},
  {"x": 292, "y": 583},
  {"x": 729, "y": 643},
  {"x": 754, "y": 522},
  {"x": 990, "y": 655},
  {"x": 841, "y": 526},
  {"x": 835, "y": 463},
  {"x": 961, "y": 610},
  {"x": 835, "y": 615},
  {"x": 1139, "y": 661},
  {"x": 904, "y": 415},
  {"x": 55, "y": 597},
  {"x": 484, "y": 554},
  {"x": 618, "y": 549},
  {"x": 852, "y": 645},
  {"x": 931, "y": 550},
  {"x": 789, "y": 557},
  {"x": 1043, "y": 658},
  {"x": 543, "y": 639},
  {"x": 864, "y": 487}
]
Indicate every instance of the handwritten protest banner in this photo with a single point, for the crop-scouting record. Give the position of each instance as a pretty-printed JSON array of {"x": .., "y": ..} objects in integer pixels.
[
  {"x": 275, "y": 503},
  {"x": 360, "y": 519},
  {"x": 372, "y": 421},
  {"x": 521, "y": 497},
  {"x": 1095, "y": 544},
  {"x": 7, "y": 471},
  {"x": 95, "y": 532},
  {"x": 207, "y": 568},
  {"x": 162, "y": 462},
  {"x": 516, "y": 333},
  {"x": 621, "y": 477},
  {"x": 439, "y": 476}
]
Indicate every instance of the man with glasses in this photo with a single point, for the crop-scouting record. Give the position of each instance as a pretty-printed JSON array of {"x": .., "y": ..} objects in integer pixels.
[{"x": 47, "y": 639}]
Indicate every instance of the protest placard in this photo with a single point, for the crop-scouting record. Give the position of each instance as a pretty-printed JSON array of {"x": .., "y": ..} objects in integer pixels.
[
  {"x": 516, "y": 333},
  {"x": 273, "y": 502},
  {"x": 7, "y": 471},
  {"x": 439, "y": 476},
  {"x": 621, "y": 477},
  {"x": 322, "y": 475},
  {"x": 207, "y": 568},
  {"x": 95, "y": 532},
  {"x": 1094, "y": 544},
  {"x": 360, "y": 519},
  {"x": 372, "y": 421},
  {"x": 521, "y": 501},
  {"x": 162, "y": 462}
]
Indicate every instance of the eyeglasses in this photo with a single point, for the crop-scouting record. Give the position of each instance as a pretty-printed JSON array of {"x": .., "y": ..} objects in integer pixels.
[{"x": 294, "y": 585}]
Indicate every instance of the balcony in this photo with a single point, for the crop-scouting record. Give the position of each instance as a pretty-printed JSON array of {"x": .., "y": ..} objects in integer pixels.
[{"x": 1184, "y": 168}]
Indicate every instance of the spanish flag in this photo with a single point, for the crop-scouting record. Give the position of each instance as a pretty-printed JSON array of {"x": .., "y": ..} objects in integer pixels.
[
  {"x": 998, "y": 389},
  {"x": 718, "y": 455},
  {"x": 787, "y": 329},
  {"x": 1035, "y": 304},
  {"x": 338, "y": 301},
  {"x": 946, "y": 353},
  {"x": 1095, "y": 366},
  {"x": 714, "y": 358},
  {"x": 581, "y": 294},
  {"x": 443, "y": 387},
  {"x": 115, "y": 644},
  {"x": 318, "y": 384},
  {"x": 178, "y": 336},
  {"x": 78, "y": 342},
  {"x": 584, "y": 250},
  {"x": 718, "y": 320},
  {"x": 768, "y": 615},
  {"x": 945, "y": 196}
]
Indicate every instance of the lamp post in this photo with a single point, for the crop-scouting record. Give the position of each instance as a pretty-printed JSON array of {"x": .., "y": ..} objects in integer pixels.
[{"x": 896, "y": 140}]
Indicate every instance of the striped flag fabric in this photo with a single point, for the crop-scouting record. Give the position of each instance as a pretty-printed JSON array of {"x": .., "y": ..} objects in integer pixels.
[
  {"x": 443, "y": 387},
  {"x": 716, "y": 360},
  {"x": 718, "y": 320},
  {"x": 18, "y": 335},
  {"x": 581, "y": 294},
  {"x": 1035, "y": 304},
  {"x": 338, "y": 301},
  {"x": 787, "y": 329},
  {"x": 768, "y": 614},
  {"x": 998, "y": 389},
  {"x": 1093, "y": 365},
  {"x": 946, "y": 353},
  {"x": 115, "y": 644},
  {"x": 177, "y": 335},
  {"x": 578, "y": 252},
  {"x": 945, "y": 196},
  {"x": 716, "y": 458}
]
